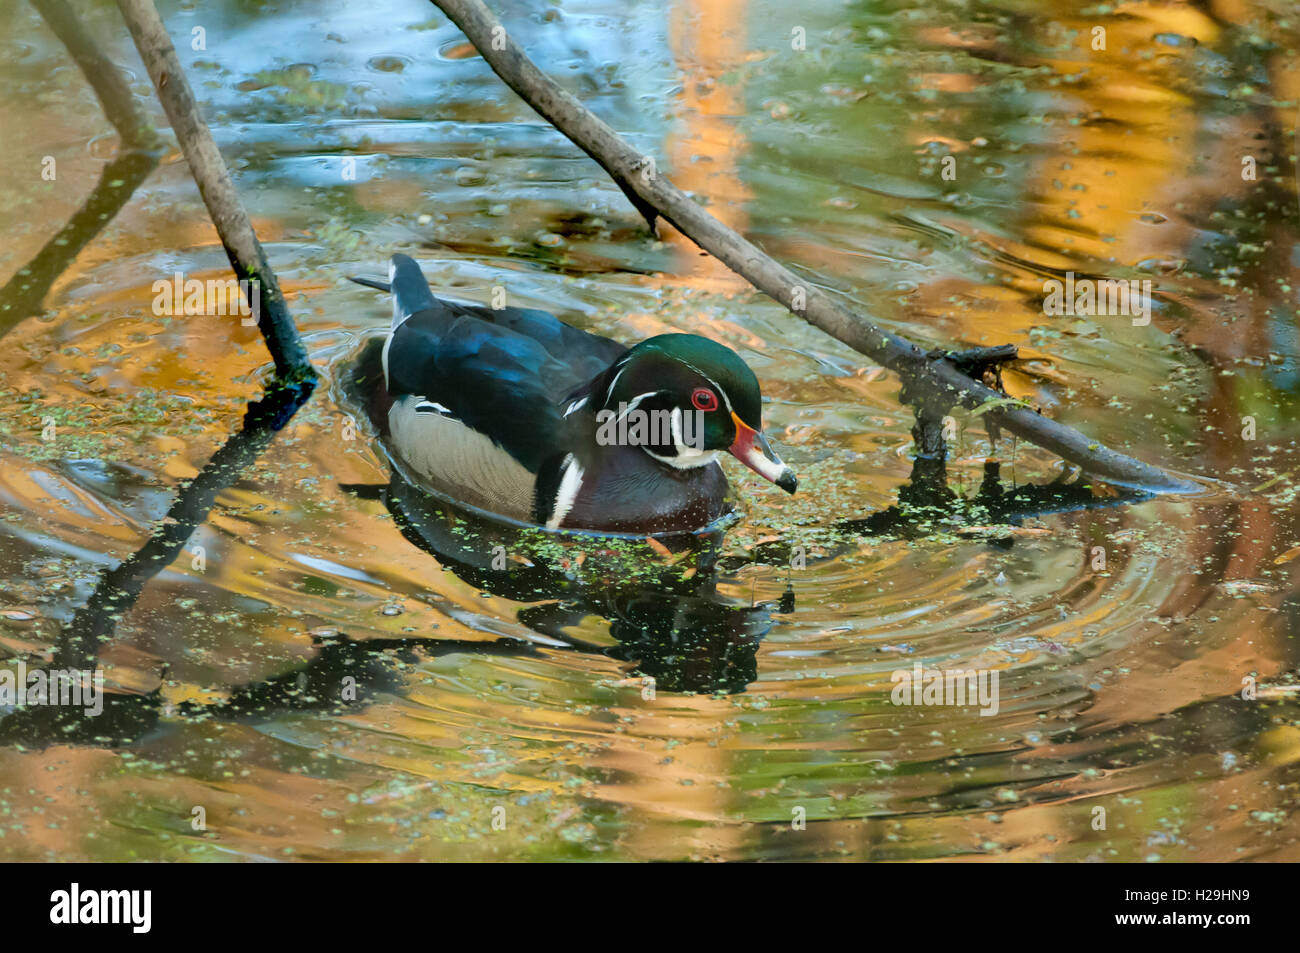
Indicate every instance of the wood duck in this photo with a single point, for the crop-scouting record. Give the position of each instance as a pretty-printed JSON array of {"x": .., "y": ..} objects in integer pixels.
[{"x": 516, "y": 412}]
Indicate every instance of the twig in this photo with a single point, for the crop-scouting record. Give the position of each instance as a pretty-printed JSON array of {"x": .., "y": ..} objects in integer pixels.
[
  {"x": 217, "y": 189},
  {"x": 653, "y": 194},
  {"x": 109, "y": 86},
  {"x": 137, "y": 157},
  {"x": 22, "y": 295},
  {"x": 119, "y": 588}
]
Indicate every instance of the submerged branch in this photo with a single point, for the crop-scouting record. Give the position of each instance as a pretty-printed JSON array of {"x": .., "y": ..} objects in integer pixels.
[
  {"x": 21, "y": 296},
  {"x": 138, "y": 155},
  {"x": 119, "y": 588},
  {"x": 939, "y": 378},
  {"x": 102, "y": 74},
  {"x": 217, "y": 189}
]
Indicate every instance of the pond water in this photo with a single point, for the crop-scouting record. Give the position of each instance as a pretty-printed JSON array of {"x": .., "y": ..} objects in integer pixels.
[{"x": 319, "y": 667}]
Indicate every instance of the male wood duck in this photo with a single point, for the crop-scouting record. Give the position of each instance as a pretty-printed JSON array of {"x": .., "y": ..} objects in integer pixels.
[{"x": 516, "y": 412}]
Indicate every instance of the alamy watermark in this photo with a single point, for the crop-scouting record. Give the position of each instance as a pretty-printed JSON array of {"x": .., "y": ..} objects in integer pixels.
[
  {"x": 77, "y": 688},
  {"x": 630, "y": 426},
  {"x": 1098, "y": 296},
  {"x": 213, "y": 296},
  {"x": 936, "y": 686},
  {"x": 133, "y": 908}
]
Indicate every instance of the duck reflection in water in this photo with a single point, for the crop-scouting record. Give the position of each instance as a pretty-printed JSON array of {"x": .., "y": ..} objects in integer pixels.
[
  {"x": 672, "y": 627},
  {"x": 667, "y": 619}
]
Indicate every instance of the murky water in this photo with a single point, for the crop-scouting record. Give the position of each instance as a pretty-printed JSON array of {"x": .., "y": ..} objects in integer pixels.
[{"x": 331, "y": 668}]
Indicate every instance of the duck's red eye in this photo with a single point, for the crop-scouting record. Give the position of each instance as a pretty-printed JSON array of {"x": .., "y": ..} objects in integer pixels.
[{"x": 704, "y": 399}]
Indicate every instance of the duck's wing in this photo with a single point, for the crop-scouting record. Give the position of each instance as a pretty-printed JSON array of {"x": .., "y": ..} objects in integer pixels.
[
  {"x": 491, "y": 379},
  {"x": 502, "y": 373},
  {"x": 581, "y": 354}
]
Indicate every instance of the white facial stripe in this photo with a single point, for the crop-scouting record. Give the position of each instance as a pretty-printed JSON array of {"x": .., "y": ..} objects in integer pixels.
[
  {"x": 610, "y": 389},
  {"x": 725, "y": 399},
  {"x": 687, "y": 458},
  {"x": 636, "y": 400},
  {"x": 570, "y": 484}
]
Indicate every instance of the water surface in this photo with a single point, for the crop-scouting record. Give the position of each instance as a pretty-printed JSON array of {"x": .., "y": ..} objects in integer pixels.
[{"x": 521, "y": 697}]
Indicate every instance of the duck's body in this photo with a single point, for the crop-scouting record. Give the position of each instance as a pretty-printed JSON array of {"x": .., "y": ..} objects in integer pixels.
[{"x": 504, "y": 409}]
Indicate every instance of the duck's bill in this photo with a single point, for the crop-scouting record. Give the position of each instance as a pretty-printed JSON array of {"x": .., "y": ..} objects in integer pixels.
[{"x": 752, "y": 449}]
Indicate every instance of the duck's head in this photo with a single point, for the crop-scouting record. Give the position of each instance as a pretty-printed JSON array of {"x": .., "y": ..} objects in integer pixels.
[{"x": 706, "y": 397}]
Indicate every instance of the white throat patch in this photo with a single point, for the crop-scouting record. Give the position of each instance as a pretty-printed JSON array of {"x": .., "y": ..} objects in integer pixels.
[{"x": 688, "y": 457}]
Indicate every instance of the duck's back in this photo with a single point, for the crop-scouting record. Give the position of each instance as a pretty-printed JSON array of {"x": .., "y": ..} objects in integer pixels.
[{"x": 477, "y": 392}]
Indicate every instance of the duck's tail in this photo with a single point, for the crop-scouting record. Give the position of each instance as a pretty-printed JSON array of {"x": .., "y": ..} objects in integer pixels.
[{"x": 406, "y": 284}]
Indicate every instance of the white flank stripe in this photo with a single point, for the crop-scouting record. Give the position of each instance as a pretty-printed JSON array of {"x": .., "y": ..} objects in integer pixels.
[{"x": 570, "y": 484}]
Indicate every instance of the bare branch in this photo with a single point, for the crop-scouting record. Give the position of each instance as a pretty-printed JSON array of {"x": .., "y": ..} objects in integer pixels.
[
  {"x": 217, "y": 189},
  {"x": 104, "y": 78},
  {"x": 635, "y": 174},
  {"x": 138, "y": 155}
]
